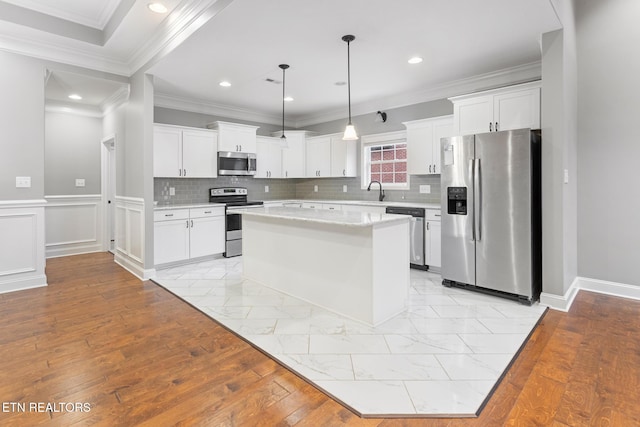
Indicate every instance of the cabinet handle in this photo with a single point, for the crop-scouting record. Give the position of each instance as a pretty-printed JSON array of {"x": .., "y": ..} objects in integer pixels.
[
  {"x": 496, "y": 126},
  {"x": 241, "y": 148},
  {"x": 207, "y": 212},
  {"x": 187, "y": 223},
  {"x": 185, "y": 172},
  {"x": 286, "y": 174},
  {"x": 490, "y": 127},
  {"x": 434, "y": 169},
  {"x": 168, "y": 214},
  {"x": 427, "y": 226},
  {"x": 191, "y": 223},
  {"x": 429, "y": 168},
  {"x": 179, "y": 172},
  {"x": 344, "y": 172}
]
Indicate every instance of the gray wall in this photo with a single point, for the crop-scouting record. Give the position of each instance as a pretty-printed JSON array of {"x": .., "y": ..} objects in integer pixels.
[
  {"x": 609, "y": 147},
  {"x": 366, "y": 125},
  {"x": 72, "y": 150},
  {"x": 21, "y": 126},
  {"x": 169, "y": 116}
]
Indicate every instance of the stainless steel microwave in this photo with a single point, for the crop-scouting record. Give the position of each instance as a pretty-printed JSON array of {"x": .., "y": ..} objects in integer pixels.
[{"x": 233, "y": 163}]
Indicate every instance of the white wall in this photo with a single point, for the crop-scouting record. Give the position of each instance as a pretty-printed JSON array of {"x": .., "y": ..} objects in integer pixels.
[
  {"x": 72, "y": 150},
  {"x": 608, "y": 37}
]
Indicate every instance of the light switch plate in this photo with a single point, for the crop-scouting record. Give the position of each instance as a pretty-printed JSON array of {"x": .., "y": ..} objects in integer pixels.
[
  {"x": 23, "y": 182},
  {"x": 566, "y": 176},
  {"x": 425, "y": 189},
  {"x": 79, "y": 182}
]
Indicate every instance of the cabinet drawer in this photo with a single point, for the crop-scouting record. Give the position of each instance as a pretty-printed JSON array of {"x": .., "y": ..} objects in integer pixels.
[
  {"x": 170, "y": 214},
  {"x": 432, "y": 215},
  {"x": 206, "y": 212}
]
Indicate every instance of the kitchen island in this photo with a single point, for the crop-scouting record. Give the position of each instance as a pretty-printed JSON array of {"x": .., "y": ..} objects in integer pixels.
[{"x": 353, "y": 263}]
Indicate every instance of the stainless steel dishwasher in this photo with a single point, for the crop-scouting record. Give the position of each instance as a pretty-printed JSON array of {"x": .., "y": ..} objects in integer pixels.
[{"x": 416, "y": 234}]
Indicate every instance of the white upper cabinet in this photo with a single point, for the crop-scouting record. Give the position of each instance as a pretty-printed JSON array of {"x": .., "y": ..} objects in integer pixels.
[
  {"x": 330, "y": 156},
  {"x": 181, "y": 152},
  {"x": 235, "y": 137},
  {"x": 268, "y": 157},
  {"x": 423, "y": 144},
  {"x": 294, "y": 155},
  {"x": 343, "y": 157},
  {"x": 319, "y": 156},
  {"x": 512, "y": 107}
]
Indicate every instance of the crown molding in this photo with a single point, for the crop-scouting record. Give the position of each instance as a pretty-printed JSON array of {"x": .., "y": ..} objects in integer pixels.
[
  {"x": 190, "y": 16},
  {"x": 504, "y": 77},
  {"x": 74, "y": 109},
  {"x": 115, "y": 100},
  {"x": 49, "y": 51},
  {"x": 205, "y": 107}
]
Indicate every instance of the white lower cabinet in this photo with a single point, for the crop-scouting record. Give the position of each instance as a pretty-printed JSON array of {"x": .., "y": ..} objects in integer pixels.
[
  {"x": 182, "y": 234},
  {"x": 432, "y": 238}
]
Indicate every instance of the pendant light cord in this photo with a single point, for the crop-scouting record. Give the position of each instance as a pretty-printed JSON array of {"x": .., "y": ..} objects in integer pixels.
[
  {"x": 349, "y": 76},
  {"x": 283, "y": 67}
]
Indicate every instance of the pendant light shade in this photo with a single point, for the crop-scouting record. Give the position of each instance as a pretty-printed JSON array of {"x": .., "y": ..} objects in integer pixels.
[
  {"x": 350, "y": 131},
  {"x": 283, "y": 138}
]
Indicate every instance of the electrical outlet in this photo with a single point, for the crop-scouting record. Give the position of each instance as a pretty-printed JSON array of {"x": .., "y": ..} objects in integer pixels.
[
  {"x": 425, "y": 189},
  {"x": 79, "y": 182},
  {"x": 23, "y": 181},
  {"x": 566, "y": 176},
  {"x": 315, "y": 188},
  {"x": 266, "y": 188},
  {"x": 344, "y": 188},
  {"x": 172, "y": 191}
]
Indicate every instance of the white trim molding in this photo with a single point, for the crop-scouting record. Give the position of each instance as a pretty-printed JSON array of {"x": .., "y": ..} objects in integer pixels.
[
  {"x": 129, "y": 245},
  {"x": 22, "y": 259},
  {"x": 563, "y": 302},
  {"x": 73, "y": 225}
]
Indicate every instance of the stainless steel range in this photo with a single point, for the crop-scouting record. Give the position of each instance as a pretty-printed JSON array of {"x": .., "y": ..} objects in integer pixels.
[{"x": 234, "y": 198}]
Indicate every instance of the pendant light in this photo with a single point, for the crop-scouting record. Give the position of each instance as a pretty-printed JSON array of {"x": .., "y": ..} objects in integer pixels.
[
  {"x": 283, "y": 138},
  {"x": 350, "y": 131}
]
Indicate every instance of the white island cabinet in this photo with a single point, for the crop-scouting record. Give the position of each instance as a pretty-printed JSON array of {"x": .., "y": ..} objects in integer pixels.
[{"x": 353, "y": 263}]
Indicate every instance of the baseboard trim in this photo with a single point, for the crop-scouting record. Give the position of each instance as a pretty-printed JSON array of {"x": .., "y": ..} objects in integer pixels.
[
  {"x": 563, "y": 302},
  {"x": 31, "y": 282},
  {"x": 134, "y": 268},
  {"x": 615, "y": 289}
]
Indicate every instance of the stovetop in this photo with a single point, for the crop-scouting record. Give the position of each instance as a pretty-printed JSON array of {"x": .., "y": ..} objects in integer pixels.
[{"x": 231, "y": 196}]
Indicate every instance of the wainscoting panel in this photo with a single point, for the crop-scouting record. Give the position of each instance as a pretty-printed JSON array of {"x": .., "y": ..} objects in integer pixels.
[
  {"x": 73, "y": 225},
  {"x": 22, "y": 245},
  {"x": 130, "y": 235}
]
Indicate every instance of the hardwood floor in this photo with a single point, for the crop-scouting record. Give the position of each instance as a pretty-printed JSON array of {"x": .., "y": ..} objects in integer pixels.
[{"x": 140, "y": 356}]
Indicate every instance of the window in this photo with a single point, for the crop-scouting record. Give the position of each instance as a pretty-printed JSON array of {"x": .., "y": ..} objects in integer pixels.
[{"x": 386, "y": 162}]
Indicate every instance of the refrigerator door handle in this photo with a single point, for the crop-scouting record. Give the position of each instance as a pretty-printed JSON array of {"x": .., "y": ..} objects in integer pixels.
[
  {"x": 477, "y": 190},
  {"x": 472, "y": 176}
]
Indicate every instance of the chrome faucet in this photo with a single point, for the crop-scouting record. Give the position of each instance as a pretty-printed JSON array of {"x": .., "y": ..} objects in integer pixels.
[{"x": 381, "y": 196}]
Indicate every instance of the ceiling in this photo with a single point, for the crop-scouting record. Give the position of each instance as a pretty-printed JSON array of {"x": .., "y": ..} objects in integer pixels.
[{"x": 198, "y": 43}]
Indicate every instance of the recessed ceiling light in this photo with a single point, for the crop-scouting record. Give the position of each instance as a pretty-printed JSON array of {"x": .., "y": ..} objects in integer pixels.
[
  {"x": 157, "y": 7},
  {"x": 225, "y": 83},
  {"x": 288, "y": 98},
  {"x": 415, "y": 60},
  {"x": 75, "y": 96}
]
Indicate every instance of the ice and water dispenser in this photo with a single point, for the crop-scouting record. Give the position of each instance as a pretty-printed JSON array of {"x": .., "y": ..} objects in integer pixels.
[{"x": 457, "y": 200}]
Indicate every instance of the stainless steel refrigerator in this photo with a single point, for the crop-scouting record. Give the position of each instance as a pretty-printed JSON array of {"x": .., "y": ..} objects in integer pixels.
[{"x": 491, "y": 213}]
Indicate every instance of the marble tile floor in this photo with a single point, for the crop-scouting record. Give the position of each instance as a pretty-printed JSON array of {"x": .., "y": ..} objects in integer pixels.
[{"x": 442, "y": 357}]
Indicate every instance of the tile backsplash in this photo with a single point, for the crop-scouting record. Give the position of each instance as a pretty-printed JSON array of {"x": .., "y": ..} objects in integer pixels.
[{"x": 196, "y": 190}]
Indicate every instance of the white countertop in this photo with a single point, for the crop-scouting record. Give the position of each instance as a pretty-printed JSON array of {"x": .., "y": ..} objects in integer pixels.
[
  {"x": 160, "y": 207},
  {"x": 352, "y": 219},
  {"x": 362, "y": 203}
]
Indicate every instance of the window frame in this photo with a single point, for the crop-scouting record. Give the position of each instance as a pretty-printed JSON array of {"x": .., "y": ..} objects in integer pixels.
[{"x": 387, "y": 138}]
